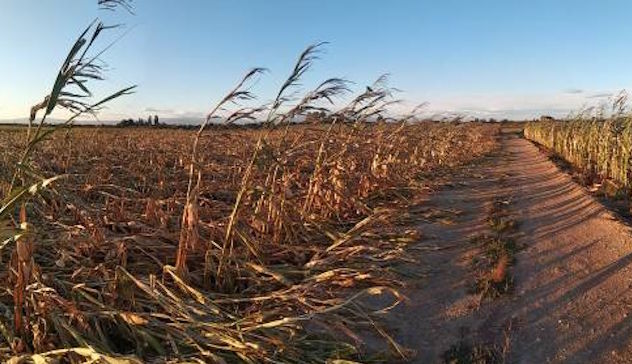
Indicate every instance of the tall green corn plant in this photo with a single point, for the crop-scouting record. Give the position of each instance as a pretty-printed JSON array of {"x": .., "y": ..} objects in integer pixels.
[{"x": 70, "y": 91}]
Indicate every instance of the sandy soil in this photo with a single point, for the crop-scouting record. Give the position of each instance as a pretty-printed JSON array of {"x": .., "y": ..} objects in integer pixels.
[{"x": 571, "y": 301}]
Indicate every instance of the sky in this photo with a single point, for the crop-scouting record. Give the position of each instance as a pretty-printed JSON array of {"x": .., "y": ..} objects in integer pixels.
[{"x": 486, "y": 58}]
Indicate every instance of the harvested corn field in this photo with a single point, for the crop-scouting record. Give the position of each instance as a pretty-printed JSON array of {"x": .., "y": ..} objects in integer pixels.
[{"x": 317, "y": 227}]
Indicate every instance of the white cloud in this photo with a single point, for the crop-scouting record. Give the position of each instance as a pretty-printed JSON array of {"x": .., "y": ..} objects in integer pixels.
[
  {"x": 515, "y": 106},
  {"x": 172, "y": 113},
  {"x": 482, "y": 105},
  {"x": 573, "y": 91},
  {"x": 600, "y": 95},
  {"x": 153, "y": 109}
]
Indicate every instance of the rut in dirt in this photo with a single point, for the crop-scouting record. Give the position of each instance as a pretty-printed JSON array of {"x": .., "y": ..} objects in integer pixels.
[{"x": 569, "y": 298}]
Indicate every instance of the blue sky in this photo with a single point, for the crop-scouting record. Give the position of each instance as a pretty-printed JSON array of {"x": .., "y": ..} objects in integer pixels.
[{"x": 485, "y": 58}]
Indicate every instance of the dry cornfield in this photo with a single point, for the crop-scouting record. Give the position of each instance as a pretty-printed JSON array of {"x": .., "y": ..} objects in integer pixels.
[
  {"x": 312, "y": 219},
  {"x": 234, "y": 244},
  {"x": 316, "y": 231}
]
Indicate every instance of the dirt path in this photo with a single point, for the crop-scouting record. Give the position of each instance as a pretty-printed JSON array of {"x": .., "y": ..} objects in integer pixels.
[{"x": 571, "y": 298}]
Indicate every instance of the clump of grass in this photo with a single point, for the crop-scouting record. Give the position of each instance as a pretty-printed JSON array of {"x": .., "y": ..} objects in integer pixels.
[
  {"x": 465, "y": 353},
  {"x": 499, "y": 219},
  {"x": 495, "y": 278}
]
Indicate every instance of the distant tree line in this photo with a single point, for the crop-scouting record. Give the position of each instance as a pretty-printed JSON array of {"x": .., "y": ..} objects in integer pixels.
[
  {"x": 315, "y": 117},
  {"x": 490, "y": 120},
  {"x": 150, "y": 121}
]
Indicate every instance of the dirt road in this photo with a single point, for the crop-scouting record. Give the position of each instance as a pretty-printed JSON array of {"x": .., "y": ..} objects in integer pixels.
[{"x": 571, "y": 299}]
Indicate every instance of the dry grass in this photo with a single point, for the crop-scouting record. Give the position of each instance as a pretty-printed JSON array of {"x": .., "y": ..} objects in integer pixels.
[
  {"x": 314, "y": 233},
  {"x": 494, "y": 277}
]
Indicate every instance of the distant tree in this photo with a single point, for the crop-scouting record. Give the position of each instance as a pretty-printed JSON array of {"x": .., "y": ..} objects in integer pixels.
[
  {"x": 126, "y": 122},
  {"x": 156, "y": 123}
]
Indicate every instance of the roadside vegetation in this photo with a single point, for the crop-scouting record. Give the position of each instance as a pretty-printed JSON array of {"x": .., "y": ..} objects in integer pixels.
[
  {"x": 240, "y": 245},
  {"x": 597, "y": 142}
]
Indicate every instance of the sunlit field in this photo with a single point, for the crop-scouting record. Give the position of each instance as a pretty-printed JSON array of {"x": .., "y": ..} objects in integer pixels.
[
  {"x": 315, "y": 227},
  {"x": 326, "y": 182}
]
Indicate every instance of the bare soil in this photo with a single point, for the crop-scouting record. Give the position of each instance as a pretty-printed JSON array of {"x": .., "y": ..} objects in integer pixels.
[{"x": 570, "y": 301}]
